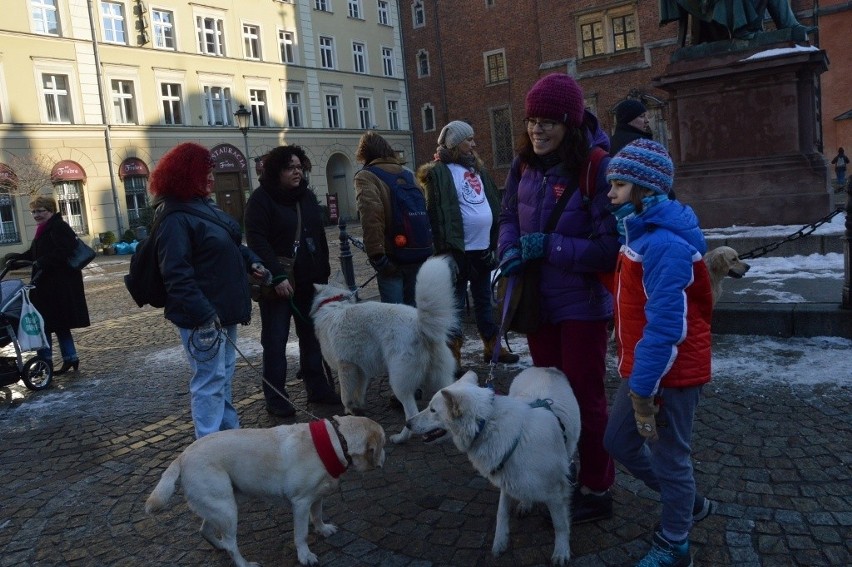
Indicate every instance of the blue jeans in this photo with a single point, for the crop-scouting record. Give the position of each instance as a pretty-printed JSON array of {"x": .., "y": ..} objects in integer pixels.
[
  {"x": 478, "y": 275},
  {"x": 210, "y": 385},
  {"x": 66, "y": 346},
  {"x": 841, "y": 176},
  {"x": 274, "y": 332},
  {"x": 399, "y": 288},
  {"x": 664, "y": 465}
]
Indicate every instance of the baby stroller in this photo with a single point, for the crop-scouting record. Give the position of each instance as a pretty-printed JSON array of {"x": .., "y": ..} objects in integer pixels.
[{"x": 35, "y": 372}]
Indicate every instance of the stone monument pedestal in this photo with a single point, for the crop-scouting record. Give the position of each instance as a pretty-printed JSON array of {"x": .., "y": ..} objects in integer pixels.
[{"x": 745, "y": 134}]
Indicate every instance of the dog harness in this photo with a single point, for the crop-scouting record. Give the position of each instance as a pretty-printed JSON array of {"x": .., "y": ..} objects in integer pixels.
[
  {"x": 325, "y": 449},
  {"x": 535, "y": 404}
]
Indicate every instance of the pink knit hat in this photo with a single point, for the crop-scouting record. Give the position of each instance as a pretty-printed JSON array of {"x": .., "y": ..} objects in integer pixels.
[{"x": 557, "y": 97}]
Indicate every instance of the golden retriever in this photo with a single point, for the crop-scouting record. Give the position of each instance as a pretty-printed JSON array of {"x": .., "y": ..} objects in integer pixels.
[
  {"x": 269, "y": 463},
  {"x": 723, "y": 261}
]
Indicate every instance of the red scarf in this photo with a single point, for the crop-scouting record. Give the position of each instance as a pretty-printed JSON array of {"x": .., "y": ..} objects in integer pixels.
[
  {"x": 39, "y": 229},
  {"x": 325, "y": 450}
]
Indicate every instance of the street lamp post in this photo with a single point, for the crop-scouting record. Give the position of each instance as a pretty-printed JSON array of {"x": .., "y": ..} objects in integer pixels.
[{"x": 243, "y": 117}]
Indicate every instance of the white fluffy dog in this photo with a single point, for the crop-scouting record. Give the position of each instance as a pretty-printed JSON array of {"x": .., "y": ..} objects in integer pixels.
[
  {"x": 721, "y": 262},
  {"x": 523, "y": 443},
  {"x": 363, "y": 340}
]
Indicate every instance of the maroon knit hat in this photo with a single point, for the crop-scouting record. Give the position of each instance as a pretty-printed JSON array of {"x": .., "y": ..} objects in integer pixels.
[{"x": 557, "y": 97}]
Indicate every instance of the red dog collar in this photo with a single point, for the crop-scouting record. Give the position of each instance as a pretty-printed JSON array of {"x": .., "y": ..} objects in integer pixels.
[
  {"x": 325, "y": 450},
  {"x": 340, "y": 297}
]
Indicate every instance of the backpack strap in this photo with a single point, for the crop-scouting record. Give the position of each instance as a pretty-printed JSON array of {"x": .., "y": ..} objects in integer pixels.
[{"x": 589, "y": 175}]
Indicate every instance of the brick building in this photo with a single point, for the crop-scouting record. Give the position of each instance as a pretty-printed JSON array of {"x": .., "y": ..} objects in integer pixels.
[{"x": 476, "y": 60}]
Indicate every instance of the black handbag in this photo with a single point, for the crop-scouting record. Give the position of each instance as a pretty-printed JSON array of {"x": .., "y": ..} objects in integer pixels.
[
  {"x": 81, "y": 255},
  {"x": 519, "y": 312}
]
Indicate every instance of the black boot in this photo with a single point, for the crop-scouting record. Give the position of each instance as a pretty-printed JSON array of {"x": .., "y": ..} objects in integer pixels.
[
  {"x": 320, "y": 390},
  {"x": 66, "y": 366}
]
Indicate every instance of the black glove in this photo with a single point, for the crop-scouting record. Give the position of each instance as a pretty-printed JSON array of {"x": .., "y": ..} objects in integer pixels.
[
  {"x": 384, "y": 266},
  {"x": 460, "y": 272},
  {"x": 489, "y": 259}
]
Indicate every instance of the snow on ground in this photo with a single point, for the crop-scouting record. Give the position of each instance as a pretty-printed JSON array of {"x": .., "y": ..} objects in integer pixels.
[{"x": 837, "y": 226}]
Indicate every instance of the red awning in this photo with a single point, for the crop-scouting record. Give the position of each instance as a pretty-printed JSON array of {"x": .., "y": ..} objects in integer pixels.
[
  {"x": 67, "y": 170},
  {"x": 133, "y": 167},
  {"x": 8, "y": 179}
]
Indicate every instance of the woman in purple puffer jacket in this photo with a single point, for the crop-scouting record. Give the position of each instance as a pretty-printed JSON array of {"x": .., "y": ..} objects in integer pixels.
[{"x": 575, "y": 305}]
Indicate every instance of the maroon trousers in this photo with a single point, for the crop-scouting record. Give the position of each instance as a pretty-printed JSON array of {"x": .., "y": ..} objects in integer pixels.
[{"x": 578, "y": 348}]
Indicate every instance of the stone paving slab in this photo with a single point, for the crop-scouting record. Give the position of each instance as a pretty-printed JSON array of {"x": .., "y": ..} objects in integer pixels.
[{"x": 79, "y": 460}]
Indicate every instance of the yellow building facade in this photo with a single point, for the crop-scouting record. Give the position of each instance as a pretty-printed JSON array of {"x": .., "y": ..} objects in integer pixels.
[{"x": 93, "y": 93}]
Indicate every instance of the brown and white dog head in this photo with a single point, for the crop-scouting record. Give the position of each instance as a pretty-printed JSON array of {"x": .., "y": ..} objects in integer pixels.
[
  {"x": 365, "y": 440},
  {"x": 721, "y": 262}
]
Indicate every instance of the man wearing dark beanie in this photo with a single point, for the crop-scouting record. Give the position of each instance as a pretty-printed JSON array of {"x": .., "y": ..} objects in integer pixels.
[{"x": 631, "y": 123}]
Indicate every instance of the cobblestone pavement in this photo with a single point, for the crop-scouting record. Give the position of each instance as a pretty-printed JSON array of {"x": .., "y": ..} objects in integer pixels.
[{"x": 79, "y": 459}]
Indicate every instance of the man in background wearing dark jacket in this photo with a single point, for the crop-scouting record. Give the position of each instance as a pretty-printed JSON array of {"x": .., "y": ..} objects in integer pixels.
[{"x": 631, "y": 123}]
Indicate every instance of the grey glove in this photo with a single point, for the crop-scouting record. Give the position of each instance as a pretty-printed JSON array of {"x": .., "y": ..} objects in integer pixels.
[{"x": 645, "y": 412}]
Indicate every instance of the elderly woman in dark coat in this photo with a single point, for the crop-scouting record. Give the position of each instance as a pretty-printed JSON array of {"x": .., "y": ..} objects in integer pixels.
[{"x": 58, "y": 294}]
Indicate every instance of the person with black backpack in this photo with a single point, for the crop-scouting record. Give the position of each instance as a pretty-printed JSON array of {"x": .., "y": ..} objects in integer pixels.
[
  {"x": 463, "y": 205},
  {"x": 204, "y": 268},
  {"x": 392, "y": 207}
]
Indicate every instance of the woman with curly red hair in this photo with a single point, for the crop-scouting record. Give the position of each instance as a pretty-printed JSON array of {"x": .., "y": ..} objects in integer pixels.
[{"x": 204, "y": 266}]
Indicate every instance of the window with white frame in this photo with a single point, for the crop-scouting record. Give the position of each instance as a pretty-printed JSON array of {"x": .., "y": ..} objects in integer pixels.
[
  {"x": 384, "y": 12},
  {"x": 609, "y": 31},
  {"x": 287, "y": 46},
  {"x": 387, "y": 61},
  {"x": 112, "y": 14},
  {"x": 172, "y": 102},
  {"x": 211, "y": 35},
  {"x": 501, "y": 133},
  {"x": 495, "y": 66},
  {"x": 218, "y": 106},
  {"x": 393, "y": 115},
  {"x": 135, "y": 196},
  {"x": 428, "y": 114},
  {"x": 259, "y": 111},
  {"x": 332, "y": 110},
  {"x": 365, "y": 114},
  {"x": 69, "y": 198},
  {"x": 57, "y": 100},
  {"x": 251, "y": 41},
  {"x": 8, "y": 219},
  {"x": 418, "y": 14},
  {"x": 359, "y": 57},
  {"x": 163, "y": 22},
  {"x": 327, "y": 59},
  {"x": 422, "y": 63},
  {"x": 123, "y": 103},
  {"x": 322, "y": 5},
  {"x": 45, "y": 17},
  {"x": 355, "y": 10},
  {"x": 294, "y": 109}
]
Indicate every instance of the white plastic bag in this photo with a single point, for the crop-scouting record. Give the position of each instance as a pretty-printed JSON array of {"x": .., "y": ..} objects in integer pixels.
[{"x": 31, "y": 327}]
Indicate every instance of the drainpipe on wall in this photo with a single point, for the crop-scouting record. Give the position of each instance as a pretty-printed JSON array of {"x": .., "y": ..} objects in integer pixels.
[
  {"x": 107, "y": 133},
  {"x": 407, "y": 90}
]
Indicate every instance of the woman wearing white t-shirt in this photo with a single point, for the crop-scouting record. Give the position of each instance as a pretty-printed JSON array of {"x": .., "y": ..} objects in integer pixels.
[{"x": 463, "y": 205}]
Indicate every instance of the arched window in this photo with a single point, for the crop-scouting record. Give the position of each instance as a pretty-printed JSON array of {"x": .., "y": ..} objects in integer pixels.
[{"x": 422, "y": 63}]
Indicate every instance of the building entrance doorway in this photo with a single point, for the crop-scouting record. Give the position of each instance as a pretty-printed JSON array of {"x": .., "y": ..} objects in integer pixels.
[{"x": 228, "y": 194}]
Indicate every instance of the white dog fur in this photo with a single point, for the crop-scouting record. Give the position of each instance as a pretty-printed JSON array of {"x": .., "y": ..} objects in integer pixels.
[
  {"x": 265, "y": 463},
  {"x": 363, "y": 340},
  {"x": 521, "y": 448},
  {"x": 721, "y": 262}
]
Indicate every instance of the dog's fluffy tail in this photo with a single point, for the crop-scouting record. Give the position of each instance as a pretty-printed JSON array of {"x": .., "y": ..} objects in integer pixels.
[
  {"x": 436, "y": 307},
  {"x": 164, "y": 489}
]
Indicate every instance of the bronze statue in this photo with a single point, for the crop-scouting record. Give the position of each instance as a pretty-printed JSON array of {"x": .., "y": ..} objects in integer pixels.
[{"x": 715, "y": 20}]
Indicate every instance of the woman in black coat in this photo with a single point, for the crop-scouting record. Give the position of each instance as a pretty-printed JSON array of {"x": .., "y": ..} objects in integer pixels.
[{"x": 58, "y": 293}]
